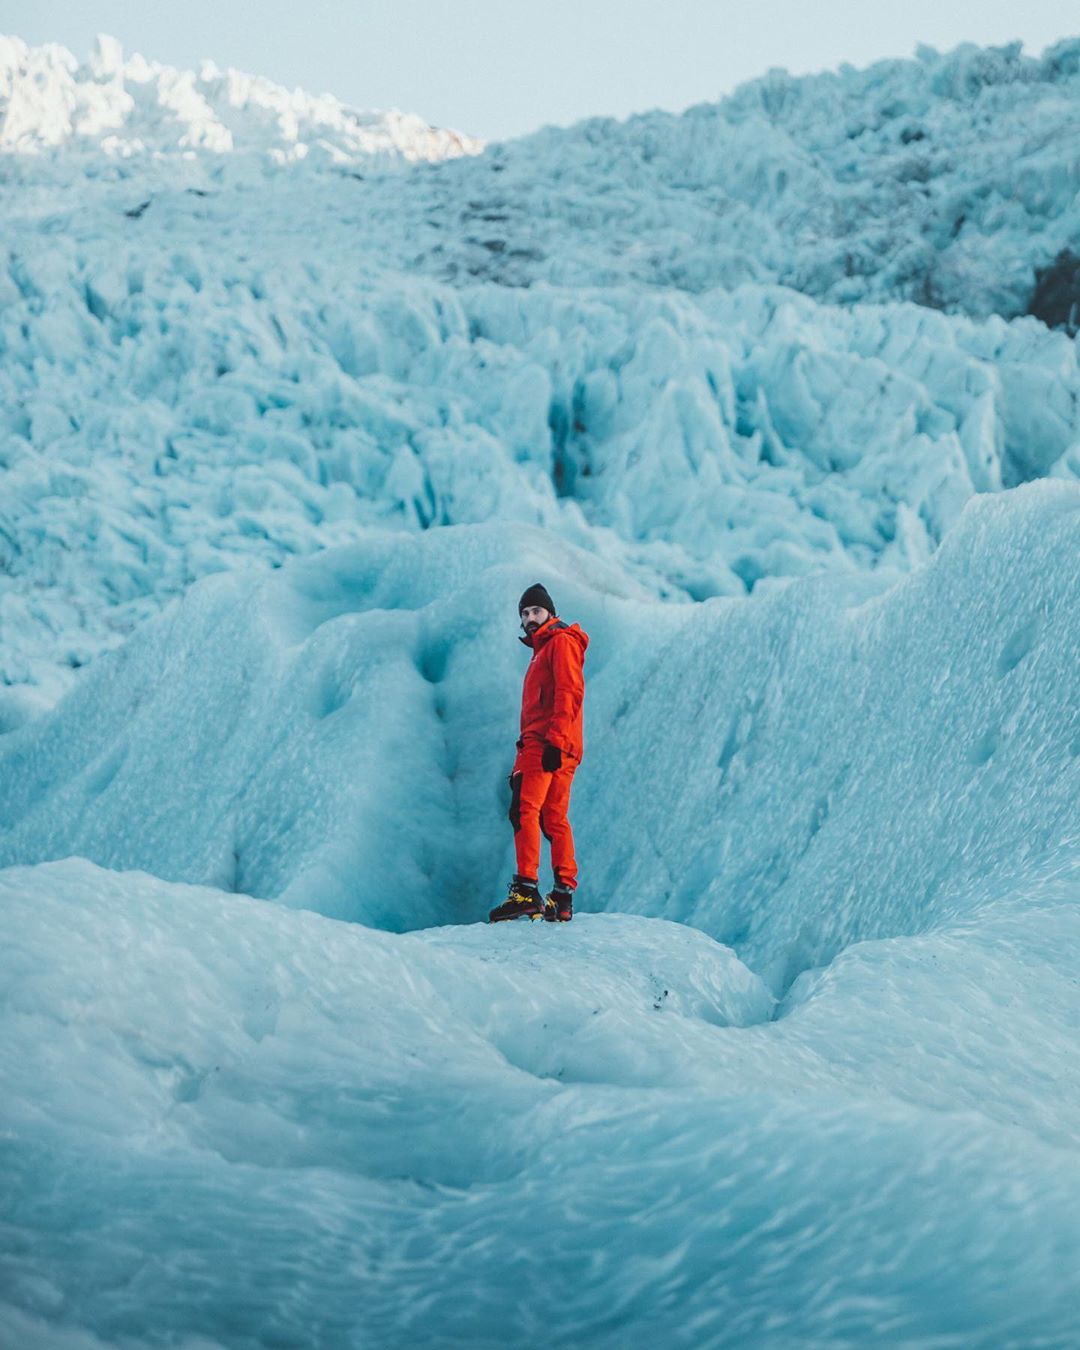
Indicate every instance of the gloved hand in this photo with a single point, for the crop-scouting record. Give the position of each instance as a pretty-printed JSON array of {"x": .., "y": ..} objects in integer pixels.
[{"x": 551, "y": 759}]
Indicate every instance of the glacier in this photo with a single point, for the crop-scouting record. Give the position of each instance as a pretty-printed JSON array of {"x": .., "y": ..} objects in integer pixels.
[
  {"x": 294, "y": 401},
  {"x": 216, "y": 357}
]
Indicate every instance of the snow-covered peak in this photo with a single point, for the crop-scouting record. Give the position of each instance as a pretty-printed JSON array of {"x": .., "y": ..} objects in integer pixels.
[{"x": 134, "y": 106}]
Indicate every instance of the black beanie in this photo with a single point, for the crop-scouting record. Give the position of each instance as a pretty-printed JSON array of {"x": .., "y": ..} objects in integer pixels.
[{"x": 536, "y": 595}]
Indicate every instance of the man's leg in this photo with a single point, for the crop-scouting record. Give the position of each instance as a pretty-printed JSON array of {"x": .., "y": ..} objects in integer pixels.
[
  {"x": 529, "y": 792},
  {"x": 556, "y": 826}
]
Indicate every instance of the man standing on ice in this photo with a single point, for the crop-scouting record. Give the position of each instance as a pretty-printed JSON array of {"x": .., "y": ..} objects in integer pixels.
[{"x": 548, "y": 752}]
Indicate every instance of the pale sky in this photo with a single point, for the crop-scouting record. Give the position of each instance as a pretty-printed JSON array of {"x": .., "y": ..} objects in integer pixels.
[{"x": 500, "y": 68}]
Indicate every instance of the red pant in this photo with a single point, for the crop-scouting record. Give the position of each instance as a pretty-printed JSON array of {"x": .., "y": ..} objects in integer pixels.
[{"x": 539, "y": 802}]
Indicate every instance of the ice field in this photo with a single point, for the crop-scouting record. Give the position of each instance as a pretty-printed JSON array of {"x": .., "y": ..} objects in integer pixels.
[{"x": 275, "y": 468}]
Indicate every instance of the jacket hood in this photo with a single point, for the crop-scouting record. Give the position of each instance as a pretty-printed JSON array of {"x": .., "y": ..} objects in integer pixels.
[{"x": 554, "y": 625}]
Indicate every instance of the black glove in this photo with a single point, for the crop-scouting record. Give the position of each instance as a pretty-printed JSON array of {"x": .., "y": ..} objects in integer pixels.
[{"x": 551, "y": 758}]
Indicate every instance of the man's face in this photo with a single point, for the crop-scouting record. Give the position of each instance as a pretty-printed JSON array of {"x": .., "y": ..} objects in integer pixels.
[{"x": 532, "y": 616}]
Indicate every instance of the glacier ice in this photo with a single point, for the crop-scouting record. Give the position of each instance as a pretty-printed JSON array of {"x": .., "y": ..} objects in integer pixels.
[
  {"x": 212, "y": 359},
  {"x": 948, "y": 180},
  {"x": 207, "y": 419},
  {"x": 338, "y": 736},
  {"x": 278, "y": 1128},
  {"x": 286, "y": 426},
  {"x": 851, "y": 1117}
]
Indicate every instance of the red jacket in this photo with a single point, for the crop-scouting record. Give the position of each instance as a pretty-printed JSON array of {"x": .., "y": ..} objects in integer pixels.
[{"x": 554, "y": 688}]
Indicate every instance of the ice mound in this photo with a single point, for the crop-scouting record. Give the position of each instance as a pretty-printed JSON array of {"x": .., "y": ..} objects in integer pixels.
[
  {"x": 275, "y": 1127},
  {"x": 330, "y": 735},
  {"x": 849, "y": 772},
  {"x": 828, "y": 764}
]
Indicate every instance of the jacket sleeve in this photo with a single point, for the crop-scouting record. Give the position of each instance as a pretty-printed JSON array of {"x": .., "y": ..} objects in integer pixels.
[{"x": 567, "y": 660}]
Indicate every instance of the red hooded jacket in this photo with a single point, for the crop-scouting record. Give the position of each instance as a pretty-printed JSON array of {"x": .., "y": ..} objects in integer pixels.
[{"x": 554, "y": 688}]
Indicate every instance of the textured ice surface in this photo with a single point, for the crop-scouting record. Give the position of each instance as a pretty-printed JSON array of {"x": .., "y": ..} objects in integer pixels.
[
  {"x": 172, "y": 413},
  {"x": 232, "y": 1121},
  {"x": 947, "y": 180},
  {"x": 215, "y": 360}
]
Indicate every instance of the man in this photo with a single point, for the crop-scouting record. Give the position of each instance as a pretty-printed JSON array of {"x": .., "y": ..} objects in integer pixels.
[{"x": 548, "y": 752}]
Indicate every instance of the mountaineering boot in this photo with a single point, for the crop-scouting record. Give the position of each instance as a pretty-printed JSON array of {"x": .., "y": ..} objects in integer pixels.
[
  {"x": 559, "y": 906},
  {"x": 522, "y": 902}
]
